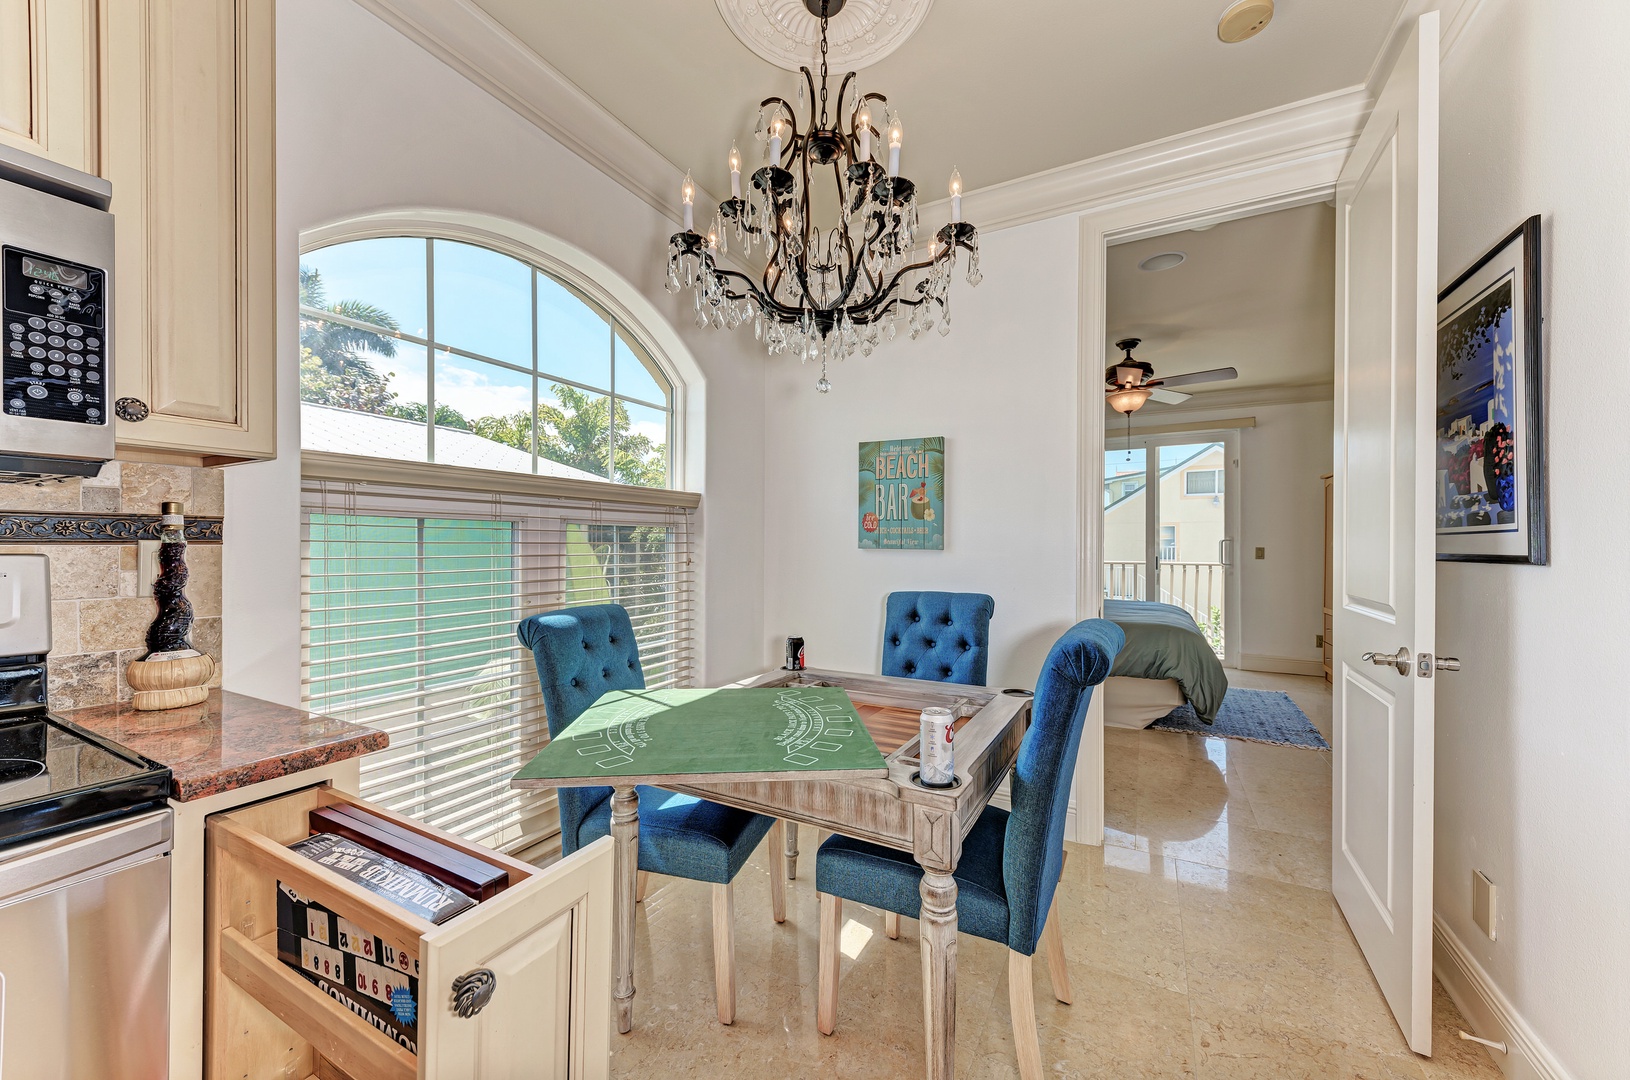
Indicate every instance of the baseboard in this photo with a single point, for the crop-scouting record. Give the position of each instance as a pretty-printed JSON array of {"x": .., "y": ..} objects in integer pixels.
[
  {"x": 1488, "y": 1012},
  {"x": 1281, "y": 665}
]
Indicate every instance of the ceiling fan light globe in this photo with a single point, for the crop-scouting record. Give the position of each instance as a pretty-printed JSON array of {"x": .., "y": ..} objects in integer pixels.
[{"x": 1128, "y": 399}]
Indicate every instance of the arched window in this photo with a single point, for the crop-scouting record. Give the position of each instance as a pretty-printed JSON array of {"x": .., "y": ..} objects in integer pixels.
[{"x": 421, "y": 348}]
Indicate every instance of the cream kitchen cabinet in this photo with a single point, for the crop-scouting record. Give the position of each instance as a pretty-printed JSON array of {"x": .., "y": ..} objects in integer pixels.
[
  {"x": 188, "y": 140},
  {"x": 48, "y": 80},
  {"x": 543, "y": 945}
]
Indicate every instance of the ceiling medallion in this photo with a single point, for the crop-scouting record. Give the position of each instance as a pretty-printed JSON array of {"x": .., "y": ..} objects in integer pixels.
[
  {"x": 788, "y": 34},
  {"x": 828, "y": 289}
]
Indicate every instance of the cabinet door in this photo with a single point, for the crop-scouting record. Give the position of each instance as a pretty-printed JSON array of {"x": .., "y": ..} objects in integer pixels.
[
  {"x": 189, "y": 150},
  {"x": 547, "y": 942},
  {"x": 48, "y": 86}
]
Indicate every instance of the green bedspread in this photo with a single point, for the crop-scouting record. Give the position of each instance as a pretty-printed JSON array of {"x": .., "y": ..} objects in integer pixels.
[{"x": 1163, "y": 642}]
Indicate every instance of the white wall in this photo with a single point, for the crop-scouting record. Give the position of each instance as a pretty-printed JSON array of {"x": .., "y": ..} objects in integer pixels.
[
  {"x": 1282, "y": 510},
  {"x": 367, "y": 121},
  {"x": 1533, "y": 746},
  {"x": 1002, "y": 391}
]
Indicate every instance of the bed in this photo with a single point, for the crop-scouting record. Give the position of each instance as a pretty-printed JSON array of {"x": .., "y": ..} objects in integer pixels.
[{"x": 1165, "y": 663}]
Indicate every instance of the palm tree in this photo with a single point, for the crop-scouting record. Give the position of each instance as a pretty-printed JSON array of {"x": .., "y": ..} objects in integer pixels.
[{"x": 338, "y": 347}]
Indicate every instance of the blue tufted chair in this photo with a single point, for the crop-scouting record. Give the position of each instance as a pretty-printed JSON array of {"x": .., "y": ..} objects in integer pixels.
[
  {"x": 940, "y": 636},
  {"x": 582, "y": 652},
  {"x": 1007, "y": 878}
]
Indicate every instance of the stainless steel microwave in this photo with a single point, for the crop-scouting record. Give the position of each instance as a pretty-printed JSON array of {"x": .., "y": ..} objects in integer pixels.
[{"x": 56, "y": 319}]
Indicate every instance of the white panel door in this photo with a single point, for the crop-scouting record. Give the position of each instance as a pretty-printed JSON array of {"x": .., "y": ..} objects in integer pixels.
[{"x": 1384, "y": 536}]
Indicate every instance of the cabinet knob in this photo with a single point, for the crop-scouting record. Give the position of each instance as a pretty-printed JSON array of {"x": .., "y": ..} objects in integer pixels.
[
  {"x": 472, "y": 991},
  {"x": 131, "y": 409}
]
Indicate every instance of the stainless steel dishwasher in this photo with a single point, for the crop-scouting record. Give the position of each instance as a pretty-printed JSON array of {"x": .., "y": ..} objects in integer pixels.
[{"x": 85, "y": 953}]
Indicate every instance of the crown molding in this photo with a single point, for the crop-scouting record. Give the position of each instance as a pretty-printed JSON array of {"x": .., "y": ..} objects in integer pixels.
[
  {"x": 1302, "y": 131},
  {"x": 471, "y": 42}
]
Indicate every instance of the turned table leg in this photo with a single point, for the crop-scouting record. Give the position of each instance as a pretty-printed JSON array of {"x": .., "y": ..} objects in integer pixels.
[
  {"x": 625, "y": 835},
  {"x": 792, "y": 851},
  {"x": 937, "y": 931}
]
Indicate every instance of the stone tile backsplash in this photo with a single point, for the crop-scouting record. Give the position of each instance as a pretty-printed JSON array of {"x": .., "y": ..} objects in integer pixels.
[{"x": 98, "y": 620}]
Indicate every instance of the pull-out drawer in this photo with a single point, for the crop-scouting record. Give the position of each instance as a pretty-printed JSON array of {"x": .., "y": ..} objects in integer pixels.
[{"x": 546, "y": 940}]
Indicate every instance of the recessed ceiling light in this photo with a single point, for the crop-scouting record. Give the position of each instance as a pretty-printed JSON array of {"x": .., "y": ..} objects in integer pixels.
[
  {"x": 1164, "y": 261},
  {"x": 1244, "y": 19}
]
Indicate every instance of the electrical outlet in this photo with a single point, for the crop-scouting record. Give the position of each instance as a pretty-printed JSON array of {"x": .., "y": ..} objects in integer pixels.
[
  {"x": 1483, "y": 897},
  {"x": 146, "y": 566},
  {"x": 1262, "y": 553},
  {"x": 1318, "y": 641}
]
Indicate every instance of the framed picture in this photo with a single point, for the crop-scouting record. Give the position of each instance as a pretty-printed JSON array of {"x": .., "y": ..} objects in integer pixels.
[
  {"x": 902, "y": 494},
  {"x": 1490, "y": 501}
]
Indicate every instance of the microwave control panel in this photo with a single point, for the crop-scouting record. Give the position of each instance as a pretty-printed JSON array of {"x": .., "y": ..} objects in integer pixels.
[{"x": 53, "y": 337}]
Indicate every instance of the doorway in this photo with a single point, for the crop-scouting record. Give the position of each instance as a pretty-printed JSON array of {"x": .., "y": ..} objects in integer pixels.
[{"x": 1171, "y": 519}]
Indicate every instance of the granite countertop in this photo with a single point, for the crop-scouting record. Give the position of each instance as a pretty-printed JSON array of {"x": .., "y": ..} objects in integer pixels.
[{"x": 229, "y": 741}]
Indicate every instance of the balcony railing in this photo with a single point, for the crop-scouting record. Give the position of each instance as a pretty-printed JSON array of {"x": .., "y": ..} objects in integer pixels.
[{"x": 1196, "y": 587}]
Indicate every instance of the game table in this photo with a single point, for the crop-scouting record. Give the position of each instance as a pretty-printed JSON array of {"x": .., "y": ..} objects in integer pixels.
[{"x": 786, "y": 744}]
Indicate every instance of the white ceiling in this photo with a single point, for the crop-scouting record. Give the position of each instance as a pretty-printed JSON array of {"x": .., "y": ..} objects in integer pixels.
[
  {"x": 998, "y": 90},
  {"x": 1257, "y": 294}
]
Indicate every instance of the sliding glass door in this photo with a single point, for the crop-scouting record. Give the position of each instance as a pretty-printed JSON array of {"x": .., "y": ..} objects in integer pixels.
[{"x": 1170, "y": 519}]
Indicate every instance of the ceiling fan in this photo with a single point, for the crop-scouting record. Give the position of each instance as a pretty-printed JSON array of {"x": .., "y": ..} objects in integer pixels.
[{"x": 1130, "y": 382}]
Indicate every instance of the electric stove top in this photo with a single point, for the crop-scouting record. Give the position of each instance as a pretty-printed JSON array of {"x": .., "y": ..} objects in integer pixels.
[{"x": 55, "y": 775}]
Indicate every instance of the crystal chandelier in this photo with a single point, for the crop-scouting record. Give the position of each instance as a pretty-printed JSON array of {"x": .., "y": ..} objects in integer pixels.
[{"x": 827, "y": 290}]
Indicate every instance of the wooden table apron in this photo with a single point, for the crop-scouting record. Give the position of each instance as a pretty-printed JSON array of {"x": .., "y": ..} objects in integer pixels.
[{"x": 896, "y": 812}]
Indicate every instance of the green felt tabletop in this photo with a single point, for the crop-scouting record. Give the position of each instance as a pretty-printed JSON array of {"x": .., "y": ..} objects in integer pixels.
[{"x": 713, "y": 734}]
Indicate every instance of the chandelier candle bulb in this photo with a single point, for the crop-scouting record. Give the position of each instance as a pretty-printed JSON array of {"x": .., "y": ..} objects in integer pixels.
[
  {"x": 687, "y": 196},
  {"x": 735, "y": 172},
  {"x": 775, "y": 141},
  {"x": 863, "y": 132},
  {"x": 956, "y": 196},
  {"x": 897, "y": 135}
]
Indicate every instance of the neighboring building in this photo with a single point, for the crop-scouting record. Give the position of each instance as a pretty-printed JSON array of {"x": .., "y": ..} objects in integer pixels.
[{"x": 1191, "y": 510}]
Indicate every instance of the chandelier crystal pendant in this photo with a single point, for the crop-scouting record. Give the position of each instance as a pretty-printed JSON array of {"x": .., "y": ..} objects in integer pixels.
[{"x": 828, "y": 289}]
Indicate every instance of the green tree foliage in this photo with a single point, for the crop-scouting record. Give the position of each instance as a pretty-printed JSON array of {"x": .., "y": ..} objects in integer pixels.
[
  {"x": 575, "y": 430},
  {"x": 333, "y": 370},
  {"x": 343, "y": 390},
  {"x": 446, "y": 415}
]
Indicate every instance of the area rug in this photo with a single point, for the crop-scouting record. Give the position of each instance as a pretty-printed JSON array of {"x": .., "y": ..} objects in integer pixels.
[{"x": 1265, "y": 716}]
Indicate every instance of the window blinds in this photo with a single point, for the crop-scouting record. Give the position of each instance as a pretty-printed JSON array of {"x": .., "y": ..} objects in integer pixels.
[{"x": 411, "y": 596}]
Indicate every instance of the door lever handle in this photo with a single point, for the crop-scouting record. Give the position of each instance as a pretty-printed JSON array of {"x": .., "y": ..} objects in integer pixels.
[{"x": 1399, "y": 660}]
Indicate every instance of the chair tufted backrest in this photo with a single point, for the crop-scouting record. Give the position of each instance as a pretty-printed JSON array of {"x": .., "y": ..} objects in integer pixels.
[
  {"x": 1033, "y": 848},
  {"x": 580, "y": 653},
  {"x": 939, "y": 636}
]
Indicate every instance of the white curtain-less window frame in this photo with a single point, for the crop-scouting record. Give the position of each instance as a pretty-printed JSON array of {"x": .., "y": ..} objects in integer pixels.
[
  {"x": 619, "y": 325},
  {"x": 410, "y": 600}
]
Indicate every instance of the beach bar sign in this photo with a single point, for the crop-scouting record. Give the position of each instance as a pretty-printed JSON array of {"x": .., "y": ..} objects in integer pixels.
[{"x": 902, "y": 494}]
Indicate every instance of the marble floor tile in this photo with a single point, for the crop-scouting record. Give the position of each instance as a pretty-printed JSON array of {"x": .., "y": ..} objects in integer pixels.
[
  {"x": 1202, "y": 942},
  {"x": 1235, "y": 1046}
]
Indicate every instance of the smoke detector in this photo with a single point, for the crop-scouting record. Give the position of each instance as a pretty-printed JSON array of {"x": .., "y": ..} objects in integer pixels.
[{"x": 1244, "y": 19}]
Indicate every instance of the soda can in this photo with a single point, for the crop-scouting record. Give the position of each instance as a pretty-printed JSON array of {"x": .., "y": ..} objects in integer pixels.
[
  {"x": 936, "y": 763},
  {"x": 795, "y": 654}
]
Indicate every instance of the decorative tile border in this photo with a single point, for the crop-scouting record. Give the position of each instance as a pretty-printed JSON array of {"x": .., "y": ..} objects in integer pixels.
[{"x": 99, "y": 528}]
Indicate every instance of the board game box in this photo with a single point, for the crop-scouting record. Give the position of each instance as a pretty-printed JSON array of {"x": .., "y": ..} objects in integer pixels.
[{"x": 372, "y": 979}]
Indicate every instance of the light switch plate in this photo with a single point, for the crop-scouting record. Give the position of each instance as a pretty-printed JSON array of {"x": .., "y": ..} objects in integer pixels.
[
  {"x": 1262, "y": 553},
  {"x": 146, "y": 566},
  {"x": 1483, "y": 897}
]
